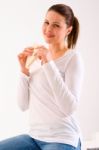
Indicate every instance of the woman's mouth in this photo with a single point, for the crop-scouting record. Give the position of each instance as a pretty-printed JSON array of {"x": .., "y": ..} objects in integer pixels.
[{"x": 49, "y": 35}]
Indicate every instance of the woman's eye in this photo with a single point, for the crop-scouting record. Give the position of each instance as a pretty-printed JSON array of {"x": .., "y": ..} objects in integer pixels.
[
  {"x": 46, "y": 22},
  {"x": 56, "y": 25}
]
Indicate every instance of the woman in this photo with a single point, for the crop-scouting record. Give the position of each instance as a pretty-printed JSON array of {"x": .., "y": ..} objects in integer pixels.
[{"x": 50, "y": 87}]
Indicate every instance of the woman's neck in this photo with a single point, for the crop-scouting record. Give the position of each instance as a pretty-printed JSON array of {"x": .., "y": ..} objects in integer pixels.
[{"x": 57, "y": 50}]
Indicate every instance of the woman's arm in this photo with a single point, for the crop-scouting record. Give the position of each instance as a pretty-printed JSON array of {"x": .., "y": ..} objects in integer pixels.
[
  {"x": 66, "y": 92},
  {"x": 23, "y": 92},
  {"x": 23, "y": 86}
]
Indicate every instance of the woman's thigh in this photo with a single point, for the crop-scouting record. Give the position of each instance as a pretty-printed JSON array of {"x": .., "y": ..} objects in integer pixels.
[
  {"x": 57, "y": 146},
  {"x": 21, "y": 142}
]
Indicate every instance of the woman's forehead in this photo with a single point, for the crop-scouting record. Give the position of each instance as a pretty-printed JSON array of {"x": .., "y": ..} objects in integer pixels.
[{"x": 54, "y": 16}]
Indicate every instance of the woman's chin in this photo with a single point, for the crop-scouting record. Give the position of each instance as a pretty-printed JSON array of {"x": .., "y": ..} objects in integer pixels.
[{"x": 48, "y": 41}]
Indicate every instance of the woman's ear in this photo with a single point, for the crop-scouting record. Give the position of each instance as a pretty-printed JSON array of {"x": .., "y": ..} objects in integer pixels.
[{"x": 69, "y": 29}]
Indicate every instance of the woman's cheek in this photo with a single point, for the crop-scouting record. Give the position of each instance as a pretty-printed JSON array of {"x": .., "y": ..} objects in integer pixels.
[{"x": 43, "y": 30}]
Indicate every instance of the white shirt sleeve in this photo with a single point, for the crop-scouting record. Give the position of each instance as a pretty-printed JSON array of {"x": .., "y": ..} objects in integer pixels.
[
  {"x": 66, "y": 92},
  {"x": 23, "y": 92}
]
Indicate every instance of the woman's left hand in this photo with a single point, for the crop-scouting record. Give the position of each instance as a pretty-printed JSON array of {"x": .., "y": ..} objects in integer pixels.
[{"x": 44, "y": 54}]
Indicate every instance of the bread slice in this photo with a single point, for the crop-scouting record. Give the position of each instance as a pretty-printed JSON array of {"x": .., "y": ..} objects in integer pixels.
[{"x": 31, "y": 58}]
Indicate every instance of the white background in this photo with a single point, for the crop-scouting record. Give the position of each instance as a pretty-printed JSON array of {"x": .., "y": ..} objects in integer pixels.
[{"x": 20, "y": 26}]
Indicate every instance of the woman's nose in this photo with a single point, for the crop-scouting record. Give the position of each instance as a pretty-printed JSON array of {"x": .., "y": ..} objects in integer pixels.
[{"x": 49, "y": 28}]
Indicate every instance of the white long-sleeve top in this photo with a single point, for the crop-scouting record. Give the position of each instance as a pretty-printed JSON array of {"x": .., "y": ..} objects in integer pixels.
[{"x": 51, "y": 94}]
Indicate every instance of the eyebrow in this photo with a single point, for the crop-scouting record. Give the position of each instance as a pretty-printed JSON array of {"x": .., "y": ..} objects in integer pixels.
[{"x": 54, "y": 22}]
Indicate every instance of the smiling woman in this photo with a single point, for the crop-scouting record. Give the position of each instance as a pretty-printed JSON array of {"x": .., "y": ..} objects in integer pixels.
[
  {"x": 54, "y": 27},
  {"x": 61, "y": 23},
  {"x": 50, "y": 87}
]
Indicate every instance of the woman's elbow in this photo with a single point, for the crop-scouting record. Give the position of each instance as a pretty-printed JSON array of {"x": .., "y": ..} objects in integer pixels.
[
  {"x": 23, "y": 107},
  {"x": 73, "y": 107}
]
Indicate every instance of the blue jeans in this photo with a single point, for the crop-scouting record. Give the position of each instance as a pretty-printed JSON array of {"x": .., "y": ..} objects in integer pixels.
[{"x": 25, "y": 142}]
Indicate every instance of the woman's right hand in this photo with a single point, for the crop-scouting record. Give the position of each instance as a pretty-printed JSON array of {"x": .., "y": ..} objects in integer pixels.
[{"x": 22, "y": 57}]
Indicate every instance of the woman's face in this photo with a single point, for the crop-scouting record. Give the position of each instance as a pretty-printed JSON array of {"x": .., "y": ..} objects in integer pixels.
[{"x": 54, "y": 28}]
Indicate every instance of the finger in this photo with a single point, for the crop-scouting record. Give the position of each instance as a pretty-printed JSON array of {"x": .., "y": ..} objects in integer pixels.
[
  {"x": 29, "y": 48},
  {"x": 20, "y": 55},
  {"x": 44, "y": 50},
  {"x": 27, "y": 53},
  {"x": 37, "y": 46}
]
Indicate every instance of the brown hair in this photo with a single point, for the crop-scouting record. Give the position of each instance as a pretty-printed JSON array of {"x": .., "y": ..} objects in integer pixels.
[{"x": 71, "y": 20}]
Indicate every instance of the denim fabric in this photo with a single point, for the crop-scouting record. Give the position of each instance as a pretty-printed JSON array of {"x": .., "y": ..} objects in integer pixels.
[{"x": 25, "y": 142}]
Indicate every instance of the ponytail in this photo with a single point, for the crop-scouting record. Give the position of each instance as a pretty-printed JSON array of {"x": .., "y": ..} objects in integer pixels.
[{"x": 73, "y": 36}]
